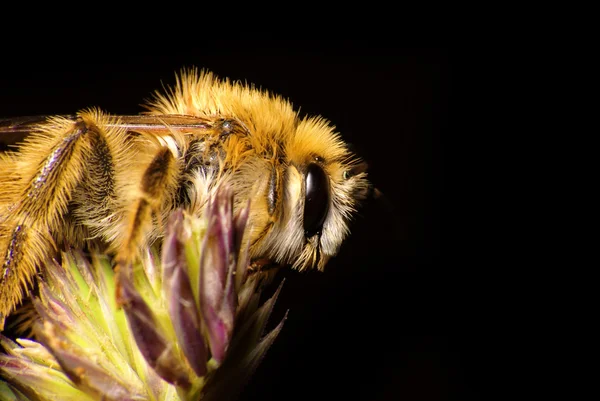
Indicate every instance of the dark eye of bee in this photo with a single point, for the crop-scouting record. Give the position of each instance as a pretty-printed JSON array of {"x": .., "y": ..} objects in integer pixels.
[{"x": 316, "y": 202}]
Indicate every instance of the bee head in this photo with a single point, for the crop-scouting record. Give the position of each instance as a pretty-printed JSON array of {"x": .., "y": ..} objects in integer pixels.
[{"x": 303, "y": 200}]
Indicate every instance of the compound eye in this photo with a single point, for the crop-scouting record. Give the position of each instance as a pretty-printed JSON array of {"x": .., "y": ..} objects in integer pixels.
[{"x": 316, "y": 202}]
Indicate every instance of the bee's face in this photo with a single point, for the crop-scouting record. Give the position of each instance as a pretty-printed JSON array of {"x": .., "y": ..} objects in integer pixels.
[
  {"x": 302, "y": 181},
  {"x": 305, "y": 201}
]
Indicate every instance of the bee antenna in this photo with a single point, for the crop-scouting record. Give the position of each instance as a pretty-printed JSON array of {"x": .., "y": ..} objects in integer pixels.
[{"x": 375, "y": 195}]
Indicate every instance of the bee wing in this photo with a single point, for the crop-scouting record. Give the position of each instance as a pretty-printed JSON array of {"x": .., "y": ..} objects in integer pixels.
[
  {"x": 160, "y": 124},
  {"x": 14, "y": 130}
]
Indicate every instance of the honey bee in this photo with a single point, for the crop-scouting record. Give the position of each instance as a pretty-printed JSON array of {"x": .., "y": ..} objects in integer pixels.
[{"x": 96, "y": 178}]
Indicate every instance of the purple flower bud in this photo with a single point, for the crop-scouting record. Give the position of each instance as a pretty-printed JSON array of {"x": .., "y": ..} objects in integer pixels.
[
  {"x": 182, "y": 305},
  {"x": 239, "y": 222},
  {"x": 217, "y": 267},
  {"x": 247, "y": 348},
  {"x": 53, "y": 309},
  {"x": 151, "y": 343},
  {"x": 83, "y": 371}
]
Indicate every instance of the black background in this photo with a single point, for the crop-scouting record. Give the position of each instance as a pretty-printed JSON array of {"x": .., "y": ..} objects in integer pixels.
[{"x": 393, "y": 316}]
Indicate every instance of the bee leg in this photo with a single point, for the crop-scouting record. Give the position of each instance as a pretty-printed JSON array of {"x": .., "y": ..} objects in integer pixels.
[
  {"x": 40, "y": 183},
  {"x": 158, "y": 183}
]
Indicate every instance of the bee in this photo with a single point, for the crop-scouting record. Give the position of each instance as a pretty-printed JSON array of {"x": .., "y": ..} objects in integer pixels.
[{"x": 96, "y": 178}]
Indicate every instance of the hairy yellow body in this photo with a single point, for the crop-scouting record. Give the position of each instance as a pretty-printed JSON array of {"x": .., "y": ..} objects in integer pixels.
[{"x": 107, "y": 181}]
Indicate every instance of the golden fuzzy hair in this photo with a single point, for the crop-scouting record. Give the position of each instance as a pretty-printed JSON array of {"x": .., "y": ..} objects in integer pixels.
[{"x": 115, "y": 179}]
